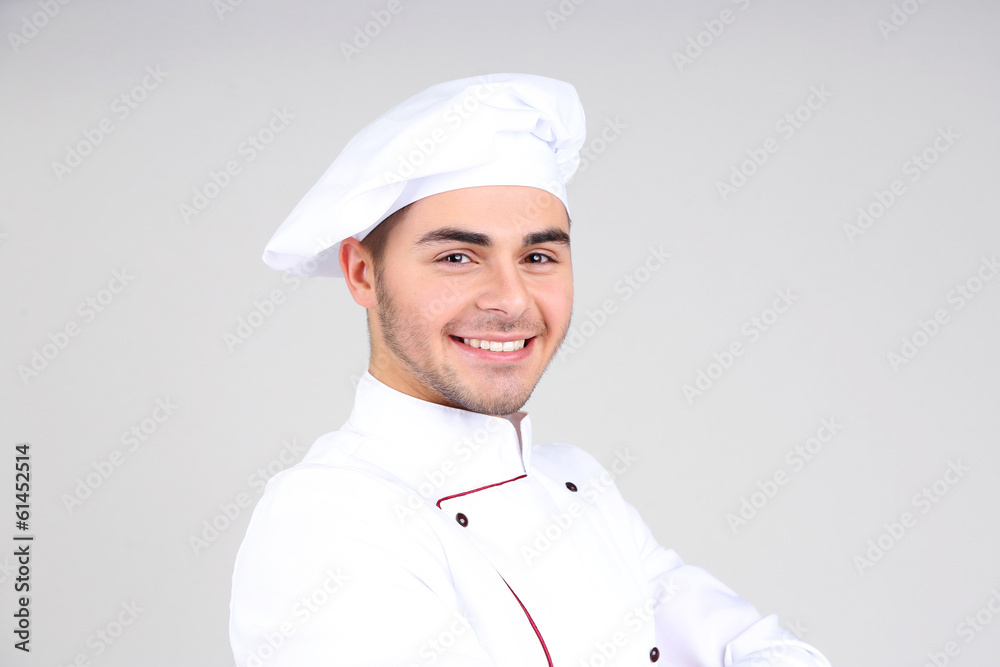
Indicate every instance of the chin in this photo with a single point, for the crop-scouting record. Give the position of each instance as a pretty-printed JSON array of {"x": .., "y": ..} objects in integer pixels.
[{"x": 484, "y": 397}]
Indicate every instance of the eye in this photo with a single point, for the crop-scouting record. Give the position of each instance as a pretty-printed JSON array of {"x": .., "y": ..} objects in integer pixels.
[
  {"x": 450, "y": 259},
  {"x": 539, "y": 258}
]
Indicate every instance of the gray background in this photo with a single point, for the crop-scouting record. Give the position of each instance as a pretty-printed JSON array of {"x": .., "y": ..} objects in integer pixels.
[{"x": 62, "y": 235}]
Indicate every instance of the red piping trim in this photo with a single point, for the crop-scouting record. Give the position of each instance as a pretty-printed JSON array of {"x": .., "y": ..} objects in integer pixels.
[
  {"x": 530, "y": 620},
  {"x": 488, "y": 486}
]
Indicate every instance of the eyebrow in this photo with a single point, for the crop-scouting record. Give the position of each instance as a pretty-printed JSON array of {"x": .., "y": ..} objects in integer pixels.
[{"x": 453, "y": 234}]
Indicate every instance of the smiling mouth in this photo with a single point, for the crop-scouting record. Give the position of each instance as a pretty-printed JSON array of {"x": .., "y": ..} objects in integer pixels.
[{"x": 494, "y": 346}]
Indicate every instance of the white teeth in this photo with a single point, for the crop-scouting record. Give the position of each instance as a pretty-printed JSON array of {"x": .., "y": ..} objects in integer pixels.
[{"x": 495, "y": 346}]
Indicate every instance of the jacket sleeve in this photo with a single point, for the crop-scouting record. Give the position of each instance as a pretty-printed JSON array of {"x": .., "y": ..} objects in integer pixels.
[
  {"x": 322, "y": 579},
  {"x": 700, "y": 621}
]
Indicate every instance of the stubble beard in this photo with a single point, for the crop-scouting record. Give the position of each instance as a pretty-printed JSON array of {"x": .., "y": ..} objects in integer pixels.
[{"x": 506, "y": 394}]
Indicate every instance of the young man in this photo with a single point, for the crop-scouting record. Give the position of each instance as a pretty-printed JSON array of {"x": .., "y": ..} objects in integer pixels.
[{"x": 430, "y": 529}]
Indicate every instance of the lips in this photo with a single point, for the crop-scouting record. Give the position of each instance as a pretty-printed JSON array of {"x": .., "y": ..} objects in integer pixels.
[{"x": 494, "y": 345}]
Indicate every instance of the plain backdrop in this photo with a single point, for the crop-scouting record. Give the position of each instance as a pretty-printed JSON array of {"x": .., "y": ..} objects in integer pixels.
[{"x": 129, "y": 281}]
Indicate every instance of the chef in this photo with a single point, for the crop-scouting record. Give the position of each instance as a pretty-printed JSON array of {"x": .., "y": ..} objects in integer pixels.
[{"x": 430, "y": 529}]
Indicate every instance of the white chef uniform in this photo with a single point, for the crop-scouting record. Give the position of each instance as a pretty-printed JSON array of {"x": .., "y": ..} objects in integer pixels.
[{"x": 420, "y": 534}]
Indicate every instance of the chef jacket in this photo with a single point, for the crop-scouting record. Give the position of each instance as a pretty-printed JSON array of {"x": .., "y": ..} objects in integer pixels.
[{"x": 420, "y": 534}]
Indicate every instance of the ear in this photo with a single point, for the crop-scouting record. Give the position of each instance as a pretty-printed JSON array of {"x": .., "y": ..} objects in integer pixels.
[{"x": 355, "y": 264}]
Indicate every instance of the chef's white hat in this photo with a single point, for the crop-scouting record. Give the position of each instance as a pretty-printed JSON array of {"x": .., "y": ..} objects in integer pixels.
[{"x": 497, "y": 129}]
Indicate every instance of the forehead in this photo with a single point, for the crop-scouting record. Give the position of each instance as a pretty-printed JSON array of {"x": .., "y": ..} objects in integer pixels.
[{"x": 500, "y": 210}]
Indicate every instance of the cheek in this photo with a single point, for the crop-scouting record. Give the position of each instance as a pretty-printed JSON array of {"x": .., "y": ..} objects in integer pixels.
[
  {"x": 555, "y": 302},
  {"x": 434, "y": 306}
]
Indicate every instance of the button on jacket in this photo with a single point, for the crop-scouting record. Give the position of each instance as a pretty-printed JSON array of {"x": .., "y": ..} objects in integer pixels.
[{"x": 420, "y": 534}]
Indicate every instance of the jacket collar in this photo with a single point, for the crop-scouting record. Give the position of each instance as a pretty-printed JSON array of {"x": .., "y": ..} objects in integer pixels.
[{"x": 437, "y": 450}]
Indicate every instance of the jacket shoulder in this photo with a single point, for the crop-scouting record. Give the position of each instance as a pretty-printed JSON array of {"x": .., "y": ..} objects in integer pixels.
[{"x": 563, "y": 458}]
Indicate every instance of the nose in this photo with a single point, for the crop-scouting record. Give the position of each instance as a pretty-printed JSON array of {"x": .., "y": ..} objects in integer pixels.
[{"x": 504, "y": 291}]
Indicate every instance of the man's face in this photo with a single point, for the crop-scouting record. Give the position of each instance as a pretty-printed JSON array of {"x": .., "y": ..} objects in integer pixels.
[{"x": 477, "y": 264}]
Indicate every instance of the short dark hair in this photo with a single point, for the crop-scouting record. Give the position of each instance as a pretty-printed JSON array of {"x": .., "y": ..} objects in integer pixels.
[{"x": 374, "y": 242}]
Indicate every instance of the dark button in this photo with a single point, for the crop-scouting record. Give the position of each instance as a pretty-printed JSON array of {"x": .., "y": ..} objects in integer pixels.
[
  {"x": 571, "y": 486},
  {"x": 462, "y": 519},
  {"x": 654, "y": 655}
]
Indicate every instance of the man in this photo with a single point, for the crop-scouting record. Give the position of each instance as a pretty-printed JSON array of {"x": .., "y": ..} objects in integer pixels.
[{"x": 430, "y": 529}]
